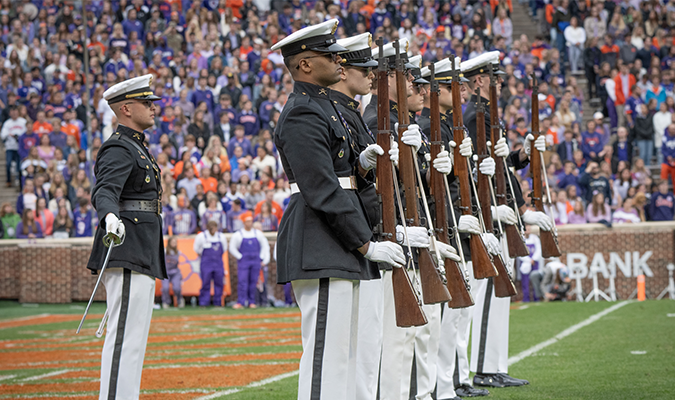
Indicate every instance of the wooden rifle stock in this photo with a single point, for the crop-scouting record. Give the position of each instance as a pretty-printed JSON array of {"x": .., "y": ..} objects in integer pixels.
[
  {"x": 457, "y": 285},
  {"x": 408, "y": 310},
  {"x": 549, "y": 241},
  {"x": 504, "y": 287},
  {"x": 514, "y": 236},
  {"x": 481, "y": 259},
  {"x": 433, "y": 289}
]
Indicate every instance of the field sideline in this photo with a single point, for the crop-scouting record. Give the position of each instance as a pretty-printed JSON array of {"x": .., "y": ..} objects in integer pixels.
[{"x": 226, "y": 354}]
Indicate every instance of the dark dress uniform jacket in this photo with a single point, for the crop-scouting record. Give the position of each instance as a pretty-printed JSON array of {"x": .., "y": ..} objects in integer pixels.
[
  {"x": 125, "y": 172},
  {"x": 363, "y": 137},
  {"x": 324, "y": 225}
]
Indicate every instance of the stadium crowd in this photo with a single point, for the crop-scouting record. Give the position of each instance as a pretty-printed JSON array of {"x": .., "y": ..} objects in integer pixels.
[{"x": 222, "y": 91}]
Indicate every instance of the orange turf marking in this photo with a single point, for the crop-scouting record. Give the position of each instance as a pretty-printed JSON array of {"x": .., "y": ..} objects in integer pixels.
[{"x": 48, "y": 319}]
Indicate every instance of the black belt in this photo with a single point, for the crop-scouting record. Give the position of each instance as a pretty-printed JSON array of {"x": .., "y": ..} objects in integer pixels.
[{"x": 153, "y": 206}]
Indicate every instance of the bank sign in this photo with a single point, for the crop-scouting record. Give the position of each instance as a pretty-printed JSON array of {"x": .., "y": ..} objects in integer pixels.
[{"x": 631, "y": 264}]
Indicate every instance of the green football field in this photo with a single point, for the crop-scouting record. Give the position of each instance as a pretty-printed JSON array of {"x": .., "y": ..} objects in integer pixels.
[{"x": 566, "y": 350}]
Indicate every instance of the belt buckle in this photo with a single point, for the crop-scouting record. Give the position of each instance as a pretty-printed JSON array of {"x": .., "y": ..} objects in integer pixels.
[
  {"x": 159, "y": 206},
  {"x": 352, "y": 181}
]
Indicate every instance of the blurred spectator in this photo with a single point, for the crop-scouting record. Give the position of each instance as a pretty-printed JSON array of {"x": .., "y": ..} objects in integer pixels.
[
  {"x": 44, "y": 217},
  {"x": 530, "y": 265},
  {"x": 269, "y": 221},
  {"x": 591, "y": 181},
  {"x": 183, "y": 219},
  {"x": 626, "y": 214},
  {"x": 662, "y": 207},
  {"x": 10, "y": 220},
  {"x": 644, "y": 133},
  {"x": 252, "y": 251},
  {"x": 84, "y": 218},
  {"x": 12, "y": 129},
  {"x": 28, "y": 228},
  {"x": 63, "y": 224},
  {"x": 598, "y": 210},
  {"x": 175, "y": 278},
  {"x": 210, "y": 245},
  {"x": 575, "y": 36}
]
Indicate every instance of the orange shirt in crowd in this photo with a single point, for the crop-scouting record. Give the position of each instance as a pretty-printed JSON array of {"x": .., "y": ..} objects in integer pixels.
[
  {"x": 178, "y": 169},
  {"x": 42, "y": 128},
  {"x": 276, "y": 209},
  {"x": 551, "y": 136},
  {"x": 235, "y": 5},
  {"x": 71, "y": 130},
  {"x": 210, "y": 184}
]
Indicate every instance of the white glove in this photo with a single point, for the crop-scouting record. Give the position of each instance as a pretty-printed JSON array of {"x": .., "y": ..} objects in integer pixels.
[
  {"x": 505, "y": 213},
  {"x": 114, "y": 225},
  {"x": 487, "y": 167},
  {"x": 386, "y": 252},
  {"x": 412, "y": 136},
  {"x": 537, "y": 218},
  {"x": 368, "y": 157},
  {"x": 469, "y": 224},
  {"x": 491, "y": 243},
  {"x": 417, "y": 236},
  {"x": 446, "y": 250},
  {"x": 443, "y": 162},
  {"x": 540, "y": 143},
  {"x": 465, "y": 147},
  {"x": 501, "y": 148},
  {"x": 393, "y": 152}
]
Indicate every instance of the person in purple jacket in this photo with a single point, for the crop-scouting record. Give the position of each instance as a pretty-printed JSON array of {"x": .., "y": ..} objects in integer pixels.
[
  {"x": 668, "y": 151},
  {"x": 662, "y": 207},
  {"x": 28, "y": 228},
  {"x": 530, "y": 263},
  {"x": 211, "y": 245},
  {"x": 172, "y": 257},
  {"x": 240, "y": 141},
  {"x": 249, "y": 120},
  {"x": 203, "y": 93},
  {"x": 591, "y": 142},
  {"x": 183, "y": 220},
  {"x": 84, "y": 218}
]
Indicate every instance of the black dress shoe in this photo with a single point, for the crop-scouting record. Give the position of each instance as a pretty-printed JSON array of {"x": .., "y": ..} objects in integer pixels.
[
  {"x": 470, "y": 391},
  {"x": 506, "y": 376},
  {"x": 496, "y": 380}
]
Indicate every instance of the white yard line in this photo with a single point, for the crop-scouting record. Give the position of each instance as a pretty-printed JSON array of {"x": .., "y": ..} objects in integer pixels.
[
  {"x": 24, "y": 318},
  {"x": 532, "y": 350},
  {"x": 47, "y": 375},
  {"x": 5, "y": 377},
  {"x": 250, "y": 385}
]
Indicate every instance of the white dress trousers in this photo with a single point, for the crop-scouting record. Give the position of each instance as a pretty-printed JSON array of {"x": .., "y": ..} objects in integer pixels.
[
  {"x": 130, "y": 298},
  {"x": 369, "y": 341},
  {"x": 329, "y": 308}
]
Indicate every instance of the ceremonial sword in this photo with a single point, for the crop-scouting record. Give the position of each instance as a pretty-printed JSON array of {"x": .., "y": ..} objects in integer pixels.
[{"x": 110, "y": 240}]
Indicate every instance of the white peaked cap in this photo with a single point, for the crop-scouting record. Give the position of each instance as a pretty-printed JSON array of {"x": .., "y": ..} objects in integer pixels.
[
  {"x": 356, "y": 43},
  {"x": 416, "y": 61},
  {"x": 135, "y": 88},
  {"x": 480, "y": 64},
  {"x": 317, "y": 37},
  {"x": 358, "y": 53}
]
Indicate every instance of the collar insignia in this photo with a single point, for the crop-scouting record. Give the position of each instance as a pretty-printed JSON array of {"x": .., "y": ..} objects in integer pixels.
[
  {"x": 352, "y": 105},
  {"x": 323, "y": 91}
]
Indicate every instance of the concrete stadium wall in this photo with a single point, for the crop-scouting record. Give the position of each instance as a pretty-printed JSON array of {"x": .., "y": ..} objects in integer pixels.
[{"x": 53, "y": 271}]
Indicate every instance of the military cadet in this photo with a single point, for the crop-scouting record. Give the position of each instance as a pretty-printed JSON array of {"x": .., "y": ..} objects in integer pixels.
[
  {"x": 394, "y": 339},
  {"x": 127, "y": 196},
  {"x": 447, "y": 317},
  {"x": 489, "y": 352},
  {"x": 356, "y": 79},
  {"x": 324, "y": 240}
]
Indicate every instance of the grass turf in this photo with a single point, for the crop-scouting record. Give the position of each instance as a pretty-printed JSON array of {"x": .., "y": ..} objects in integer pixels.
[{"x": 593, "y": 363}]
